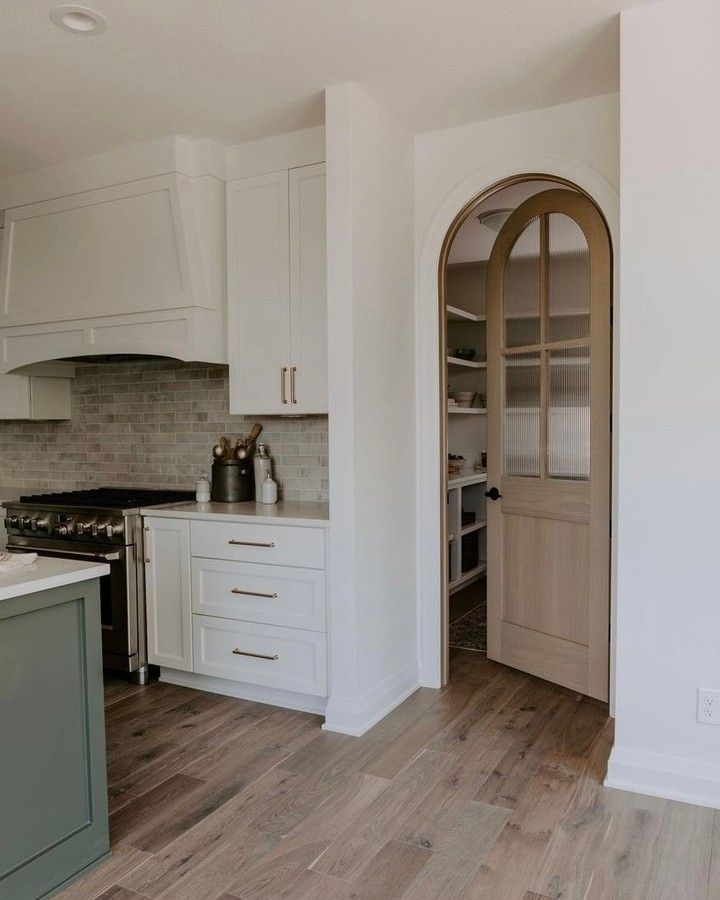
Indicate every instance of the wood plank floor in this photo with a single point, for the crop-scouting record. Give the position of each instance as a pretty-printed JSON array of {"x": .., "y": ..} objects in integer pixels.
[{"x": 491, "y": 788}]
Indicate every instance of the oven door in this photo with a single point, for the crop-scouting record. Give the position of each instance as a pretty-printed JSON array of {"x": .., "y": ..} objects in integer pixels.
[{"x": 118, "y": 595}]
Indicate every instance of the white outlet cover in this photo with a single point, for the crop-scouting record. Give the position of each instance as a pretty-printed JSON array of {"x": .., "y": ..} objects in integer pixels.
[{"x": 708, "y": 707}]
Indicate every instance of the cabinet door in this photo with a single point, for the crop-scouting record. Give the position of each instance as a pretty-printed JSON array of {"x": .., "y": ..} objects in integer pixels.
[
  {"x": 258, "y": 293},
  {"x": 167, "y": 592},
  {"x": 308, "y": 303},
  {"x": 53, "y": 788},
  {"x": 14, "y": 397},
  {"x": 34, "y": 397}
]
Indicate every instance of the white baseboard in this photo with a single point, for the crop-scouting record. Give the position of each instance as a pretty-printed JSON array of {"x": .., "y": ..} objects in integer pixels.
[
  {"x": 355, "y": 716},
  {"x": 245, "y": 691},
  {"x": 671, "y": 777}
]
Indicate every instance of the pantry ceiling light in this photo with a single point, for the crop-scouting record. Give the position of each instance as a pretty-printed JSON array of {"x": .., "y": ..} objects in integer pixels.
[
  {"x": 78, "y": 19},
  {"x": 494, "y": 218}
]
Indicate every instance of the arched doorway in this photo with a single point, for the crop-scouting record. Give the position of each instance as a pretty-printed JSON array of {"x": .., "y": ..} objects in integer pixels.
[{"x": 525, "y": 299}]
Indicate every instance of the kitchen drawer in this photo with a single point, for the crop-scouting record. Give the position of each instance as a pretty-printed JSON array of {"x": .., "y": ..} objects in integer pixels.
[
  {"x": 273, "y": 595},
  {"x": 278, "y": 545},
  {"x": 285, "y": 658}
]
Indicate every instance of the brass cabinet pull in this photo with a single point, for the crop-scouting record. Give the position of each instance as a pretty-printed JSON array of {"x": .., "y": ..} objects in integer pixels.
[
  {"x": 255, "y": 655},
  {"x": 252, "y": 593},
  {"x": 251, "y": 543},
  {"x": 293, "y": 397},
  {"x": 283, "y": 394}
]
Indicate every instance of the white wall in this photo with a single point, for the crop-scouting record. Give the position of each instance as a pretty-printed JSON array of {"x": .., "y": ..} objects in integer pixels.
[
  {"x": 577, "y": 141},
  {"x": 668, "y": 604},
  {"x": 584, "y": 131},
  {"x": 369, "y": 163}
]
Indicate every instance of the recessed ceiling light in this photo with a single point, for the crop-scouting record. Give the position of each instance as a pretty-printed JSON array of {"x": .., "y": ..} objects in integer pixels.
[{"x": 78, "y": 19}]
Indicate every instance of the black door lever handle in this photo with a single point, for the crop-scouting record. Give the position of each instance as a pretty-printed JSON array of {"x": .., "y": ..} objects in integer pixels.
[{"x": 493, "y": 493}]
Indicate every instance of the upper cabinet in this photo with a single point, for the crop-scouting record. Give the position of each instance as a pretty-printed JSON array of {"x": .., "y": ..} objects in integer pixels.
[
  {"x": 277, "y": 292},
  {"x": 34, "y": 397},
  {"x": 114, "y": 259},
  {"x": 37, "y": 393}
]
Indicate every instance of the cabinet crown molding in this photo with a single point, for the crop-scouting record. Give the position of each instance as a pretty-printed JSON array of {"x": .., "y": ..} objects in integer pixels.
[{"x": 162, "y": 156}]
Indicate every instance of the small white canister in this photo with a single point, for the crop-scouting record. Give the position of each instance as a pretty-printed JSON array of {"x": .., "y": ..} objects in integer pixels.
[
  {"x": 262, "y": 465},
  {"x": 269, "y": 490},
  {"x": 202, "y": 490}
]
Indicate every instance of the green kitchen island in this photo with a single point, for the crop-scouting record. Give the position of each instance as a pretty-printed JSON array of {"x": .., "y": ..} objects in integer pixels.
[{"x": 53, "y": 783}]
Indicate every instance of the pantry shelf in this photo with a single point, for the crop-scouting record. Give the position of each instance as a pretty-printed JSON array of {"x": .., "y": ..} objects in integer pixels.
[
  {"x": 455, "y": 314},
  {"x": 476, "y": 526},
  {"x": 466, "y": 480},
  {"x": 465, "y": 411},
  {"x": 465, "y": 363}
]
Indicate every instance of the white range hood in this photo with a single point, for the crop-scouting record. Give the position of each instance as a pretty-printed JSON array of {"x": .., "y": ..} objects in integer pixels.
[{"x": 119, "y": 253}]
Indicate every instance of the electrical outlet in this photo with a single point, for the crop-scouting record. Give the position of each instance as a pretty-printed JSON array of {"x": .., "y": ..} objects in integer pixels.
[{"x": 708, "y": 706}]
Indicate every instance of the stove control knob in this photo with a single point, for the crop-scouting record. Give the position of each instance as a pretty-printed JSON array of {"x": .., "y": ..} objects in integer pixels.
[
  {"x": 59, "y": 530},
  {"x": 12, "y": 522},
  {"x": 26, "y": 522},
  {"x": 94, "y": 529},
  {"x": 81, "y": 528},
  {"x": 111, "y": 530}
]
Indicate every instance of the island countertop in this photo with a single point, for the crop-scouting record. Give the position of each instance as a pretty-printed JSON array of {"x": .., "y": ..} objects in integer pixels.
[
  {"x": 286, "y": 512},
  {"x": 46, "y": 573}
]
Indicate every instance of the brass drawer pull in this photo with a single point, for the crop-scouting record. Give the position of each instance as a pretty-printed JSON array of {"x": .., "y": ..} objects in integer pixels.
[
  {"x": 253, "y": 593},
  {"x": 252, "y": 543},
  {"x": 255, "y": 655}
]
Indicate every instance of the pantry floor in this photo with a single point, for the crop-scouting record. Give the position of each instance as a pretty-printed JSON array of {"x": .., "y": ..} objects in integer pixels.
[
  {"x": 489, "y": 788},
  {"x": 468, "y": 617}
]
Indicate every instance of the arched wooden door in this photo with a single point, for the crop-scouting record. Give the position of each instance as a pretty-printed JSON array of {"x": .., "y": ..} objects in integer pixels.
[{"x": 549, "y": 333}]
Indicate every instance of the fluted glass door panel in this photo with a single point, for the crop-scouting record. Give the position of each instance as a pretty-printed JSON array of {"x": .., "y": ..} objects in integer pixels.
[
  {"x": 522, "y": 289},
  {"x": 568, "y": 446},
  {"x": 568, "y": 269},
  {"x": 521, "y": 440}
]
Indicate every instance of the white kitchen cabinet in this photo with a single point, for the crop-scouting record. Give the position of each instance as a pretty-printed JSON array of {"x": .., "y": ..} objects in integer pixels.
[
  {"x": 277, "y": 292},
  {"x": 34, "y": 398},
  {"x": 308, "y": 291},
  {"x": 281, "y": 545},
  {"x": 237, "y": 604},
  {"x": 269, "y": 595},
  {"x": 39, "y": 393},
  {"x": 167, "y": 592},
  {"x": 258, "y": 293},
  {"x": 286, "y": 659}
]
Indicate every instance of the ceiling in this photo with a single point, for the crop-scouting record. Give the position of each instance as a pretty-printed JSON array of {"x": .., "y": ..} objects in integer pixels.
[{"x": 235, "y": 70}]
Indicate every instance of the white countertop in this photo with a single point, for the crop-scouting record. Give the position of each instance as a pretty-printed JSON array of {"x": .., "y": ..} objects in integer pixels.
[
  {"x": 46, "y": 573},
  {"x": 287, "y": 512}
]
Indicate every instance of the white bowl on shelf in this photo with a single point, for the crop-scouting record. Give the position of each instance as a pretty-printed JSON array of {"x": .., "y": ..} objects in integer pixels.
[{"x": 465, "y": 398}]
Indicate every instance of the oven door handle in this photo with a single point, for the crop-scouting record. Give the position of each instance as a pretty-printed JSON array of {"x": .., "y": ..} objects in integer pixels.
[{"x": 108, "y": 557}]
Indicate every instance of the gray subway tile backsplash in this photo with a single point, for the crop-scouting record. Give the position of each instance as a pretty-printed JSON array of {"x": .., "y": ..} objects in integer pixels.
[{"x": 153, "y": 423}]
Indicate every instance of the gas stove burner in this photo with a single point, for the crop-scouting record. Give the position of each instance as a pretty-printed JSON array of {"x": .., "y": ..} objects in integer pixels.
[{"x": 110, "y": 498}]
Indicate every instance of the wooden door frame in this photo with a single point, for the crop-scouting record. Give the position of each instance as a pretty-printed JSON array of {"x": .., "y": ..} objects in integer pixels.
[{"x": 465, "y": 212}]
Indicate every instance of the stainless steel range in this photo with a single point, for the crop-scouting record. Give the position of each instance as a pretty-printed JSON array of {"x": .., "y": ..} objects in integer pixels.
[{"x": 98, "y": 524}]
